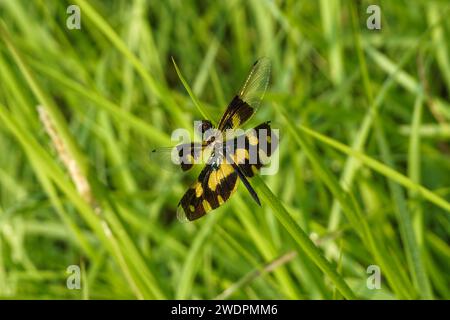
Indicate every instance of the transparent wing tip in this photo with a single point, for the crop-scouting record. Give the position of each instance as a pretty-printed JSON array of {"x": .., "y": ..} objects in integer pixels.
[
  {"x": 262, "y": 60},
  {"x": 164, "y": 159},
  {"x": 181, "y": 215}
]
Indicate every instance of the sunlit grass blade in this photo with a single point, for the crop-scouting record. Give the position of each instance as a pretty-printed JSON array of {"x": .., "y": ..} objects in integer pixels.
[
  {"x": 117, "y": 113},
  {"x": 156, "y": 88},
  {"x": 44, "y": 99},
  {"x": 197, "y": 103},
  {"x": 301, "y": 238},
  {"x": 418, "y": 253},
  {"x": 411, "y": 249},
  {"x": 382, "y": 169}
]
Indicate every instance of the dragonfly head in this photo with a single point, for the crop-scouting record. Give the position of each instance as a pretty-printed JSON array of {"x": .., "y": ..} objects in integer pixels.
[{"x": 212, "y": 137}]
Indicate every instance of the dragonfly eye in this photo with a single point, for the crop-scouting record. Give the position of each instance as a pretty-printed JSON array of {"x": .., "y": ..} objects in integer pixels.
[
  {"x": 212, "y": 135},
  {"x": 203, "y": 126}
]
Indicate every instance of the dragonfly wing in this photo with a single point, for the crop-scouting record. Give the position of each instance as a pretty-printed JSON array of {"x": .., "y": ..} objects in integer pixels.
[
  {"x": 184, "y": 155},
  {"x": 245, "y": 104},
  {"x": 252, "y": 150},
  {"x": 213, "y": 188}
]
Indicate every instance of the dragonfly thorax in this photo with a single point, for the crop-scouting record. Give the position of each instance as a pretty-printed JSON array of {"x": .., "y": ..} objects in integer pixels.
[
  {"x": 216, "y": 158},
  {"x": 212, "y": 137}
]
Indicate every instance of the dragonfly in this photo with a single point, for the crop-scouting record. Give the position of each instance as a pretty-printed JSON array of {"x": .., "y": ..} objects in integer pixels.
[{"x": 232, "y": 158}]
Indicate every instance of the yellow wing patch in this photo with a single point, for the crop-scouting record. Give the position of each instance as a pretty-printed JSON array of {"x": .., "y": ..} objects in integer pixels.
[
  {"x": 215, "y": 178},
  {"x": 252, "y": 139},
  {"x": 240, "y": 156},
  {"x": 206, "y": 206},
  {"x": 236, "y": 121},
  {"x": 198, "y": 190},
  {"x": 213, "y": 181}
]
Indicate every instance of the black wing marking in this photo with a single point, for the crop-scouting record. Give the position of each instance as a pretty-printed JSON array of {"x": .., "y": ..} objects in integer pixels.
[
  {"x": 213, "y": 188},
  {"x": 202, "y": 127},
  {"x": 245, "y": 104},
  {"x": 252, "y": 150}
]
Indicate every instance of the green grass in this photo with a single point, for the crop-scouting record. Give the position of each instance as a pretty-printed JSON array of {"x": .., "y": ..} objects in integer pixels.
[{"x": 364, "y": 171}]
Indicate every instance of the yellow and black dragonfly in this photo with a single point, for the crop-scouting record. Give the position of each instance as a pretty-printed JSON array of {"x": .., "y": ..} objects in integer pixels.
[{"x": 231, "y": 157}]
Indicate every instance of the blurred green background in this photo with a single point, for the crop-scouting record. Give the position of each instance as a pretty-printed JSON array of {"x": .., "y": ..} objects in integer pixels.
[{"x": 364, "y": 174}]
